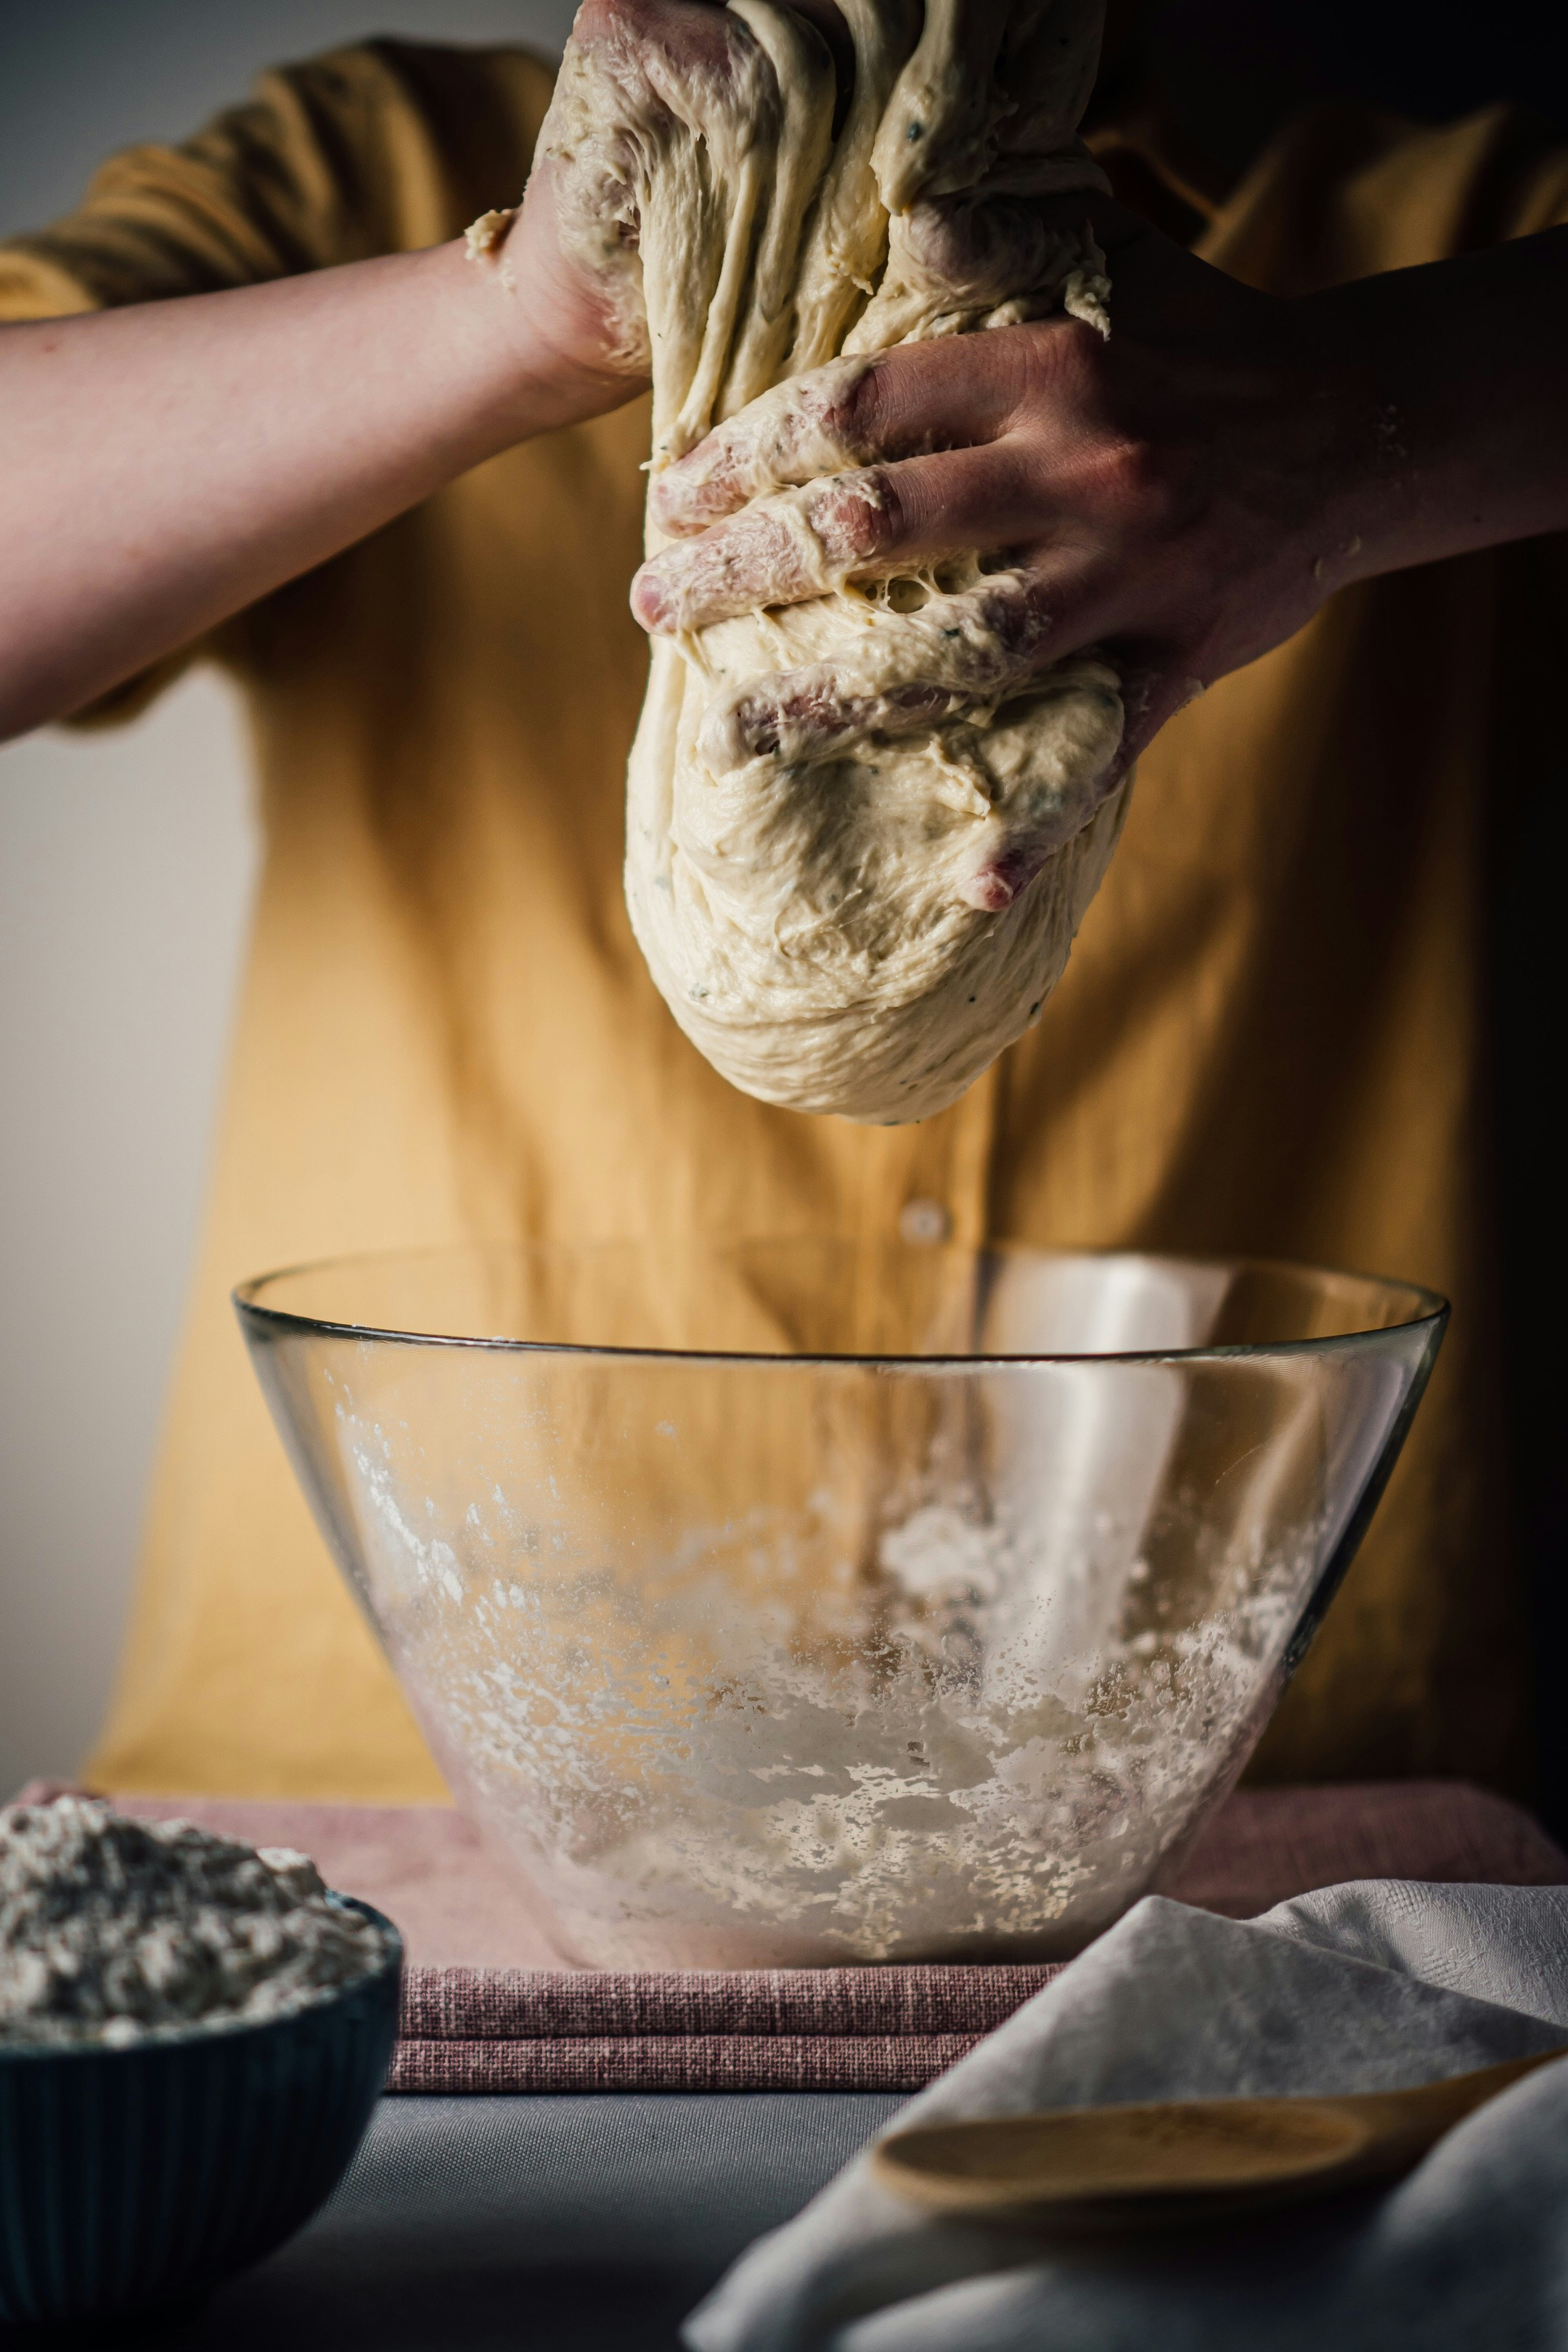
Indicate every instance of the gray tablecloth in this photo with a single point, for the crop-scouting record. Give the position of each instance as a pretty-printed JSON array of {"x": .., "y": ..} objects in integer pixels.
[{"x": 544, "y": 2224}]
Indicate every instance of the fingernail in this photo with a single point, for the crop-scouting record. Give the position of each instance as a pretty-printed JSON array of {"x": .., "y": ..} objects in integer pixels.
[
  {"x": 652, "y": 602},
  {"x": 667, "y": 495},
  {"x": 989, "y": 892},
  {"x": 696, "y": 490}
]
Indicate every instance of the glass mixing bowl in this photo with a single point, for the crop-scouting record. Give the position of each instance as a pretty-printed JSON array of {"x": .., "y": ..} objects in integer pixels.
[{"x": 786, "y": 1603}]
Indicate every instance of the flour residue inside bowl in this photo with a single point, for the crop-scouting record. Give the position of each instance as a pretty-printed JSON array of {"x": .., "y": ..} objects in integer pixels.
[{"x": 983, "y": 1737}]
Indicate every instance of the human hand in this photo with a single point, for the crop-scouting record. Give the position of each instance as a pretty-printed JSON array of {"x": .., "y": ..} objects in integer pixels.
[
  {"x": 1181, "y": 497},
  {"x": 571, "y": 258}
]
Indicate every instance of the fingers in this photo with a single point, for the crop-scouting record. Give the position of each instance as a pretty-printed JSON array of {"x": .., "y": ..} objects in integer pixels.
[
  {"x": 802, "y": 429},
  {"x": 1033, "y": 778},
  {"x": 911, "y": 671},
  {"x": 778, "y": 552},
  {"x": 1149, "y": 695},
  {"x": 1057, "y": 754},
  {"x": 804, "y": 715},
  {"x": 804, "y": 543},
  {"x": 953, "y": 393},
  {"x": 642, "y": 40}
]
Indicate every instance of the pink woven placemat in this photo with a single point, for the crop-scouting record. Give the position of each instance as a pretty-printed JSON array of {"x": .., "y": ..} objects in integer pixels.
[
  {"x": 741, "y": 2029},
  {"x": 488, "y": 2007}
]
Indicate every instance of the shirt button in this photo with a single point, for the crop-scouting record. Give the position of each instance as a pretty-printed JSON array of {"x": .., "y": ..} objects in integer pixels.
[{"x": 925, "y": 1221}]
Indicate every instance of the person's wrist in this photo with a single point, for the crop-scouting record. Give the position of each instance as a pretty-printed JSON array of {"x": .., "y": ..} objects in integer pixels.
[
  {"x": 1354, "y": 397},
  {"x": 525, "y": 379},
  {"x": 564, "y": 351}
]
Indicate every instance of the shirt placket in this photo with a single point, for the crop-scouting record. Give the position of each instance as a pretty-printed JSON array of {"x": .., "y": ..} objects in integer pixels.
[{"x": 930, "y": 1183}]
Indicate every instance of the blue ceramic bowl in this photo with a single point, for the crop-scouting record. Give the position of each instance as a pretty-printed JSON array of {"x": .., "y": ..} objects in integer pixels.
[{"x": 135, "y": 2178}]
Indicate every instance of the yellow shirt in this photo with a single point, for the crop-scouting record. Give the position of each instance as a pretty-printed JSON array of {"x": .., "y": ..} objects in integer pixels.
[{"x": 1270, "y": 1037}]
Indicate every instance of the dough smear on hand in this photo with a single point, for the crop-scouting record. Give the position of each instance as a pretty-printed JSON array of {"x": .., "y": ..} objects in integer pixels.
[{"x": 862, "y": 829}]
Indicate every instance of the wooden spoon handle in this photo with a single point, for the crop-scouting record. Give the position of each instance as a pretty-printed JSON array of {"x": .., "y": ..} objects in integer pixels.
[
  {"x": 1402, "y": 2126},
  {"x": 1169, "y": 2162}
]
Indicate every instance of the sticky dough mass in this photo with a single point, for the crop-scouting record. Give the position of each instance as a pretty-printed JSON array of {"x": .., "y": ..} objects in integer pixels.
[{"x": 822, "y": 917}]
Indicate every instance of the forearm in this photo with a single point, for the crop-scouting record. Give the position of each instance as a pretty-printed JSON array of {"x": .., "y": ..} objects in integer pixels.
[
  {"x": 1457, "y": 418},
  {"x": 162, "y": 467}
]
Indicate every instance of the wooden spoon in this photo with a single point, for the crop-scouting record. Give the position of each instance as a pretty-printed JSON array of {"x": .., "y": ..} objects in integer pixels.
[{"x": 1175, "y": 2160}]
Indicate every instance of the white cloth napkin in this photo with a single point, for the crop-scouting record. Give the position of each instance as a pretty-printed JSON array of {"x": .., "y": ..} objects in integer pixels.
[{"x": 1359, "y": 1987}]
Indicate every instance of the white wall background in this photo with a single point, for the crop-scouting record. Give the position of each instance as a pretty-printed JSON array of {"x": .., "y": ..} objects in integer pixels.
[{"x": 126, "y": 862}]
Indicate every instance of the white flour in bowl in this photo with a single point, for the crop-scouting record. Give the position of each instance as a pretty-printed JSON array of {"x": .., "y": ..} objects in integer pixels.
[{"x": 113, "y": 1930}]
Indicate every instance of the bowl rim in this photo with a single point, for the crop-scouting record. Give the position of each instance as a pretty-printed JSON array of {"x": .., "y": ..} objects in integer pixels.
[
  {"x": 199, "y": 2036},
  {"x": 1429, "y": 1308}
]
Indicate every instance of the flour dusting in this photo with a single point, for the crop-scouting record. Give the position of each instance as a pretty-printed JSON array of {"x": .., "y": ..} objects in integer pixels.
[{"x": 766, "y": 1748}]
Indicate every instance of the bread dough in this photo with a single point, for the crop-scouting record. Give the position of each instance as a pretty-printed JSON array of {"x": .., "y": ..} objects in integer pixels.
[{"x": 854, "y": 918}]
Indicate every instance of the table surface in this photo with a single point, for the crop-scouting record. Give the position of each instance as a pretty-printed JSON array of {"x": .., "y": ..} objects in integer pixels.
[
  {"x": 598, "y": 2219},
  {"x": 588, "y": 2223}
]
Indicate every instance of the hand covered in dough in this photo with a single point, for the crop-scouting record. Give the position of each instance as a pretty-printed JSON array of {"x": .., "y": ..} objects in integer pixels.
[
  {"x": 572, "y": 255},
  {"x": 1178, "y": 494}
]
